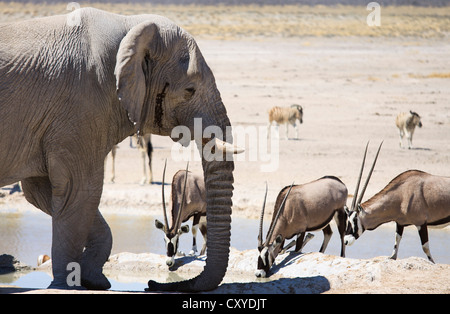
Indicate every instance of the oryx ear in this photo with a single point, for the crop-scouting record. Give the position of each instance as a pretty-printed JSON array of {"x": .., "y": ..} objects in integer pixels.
[
  {"x": 133, "y": 70},
  {"x": 184, "y": 229},
  {"x": 278, "y": 239},
  {"x": 159, "y": 224},
  {"x": 360, "y": 209},
  {"x": 346, "y": 210}
]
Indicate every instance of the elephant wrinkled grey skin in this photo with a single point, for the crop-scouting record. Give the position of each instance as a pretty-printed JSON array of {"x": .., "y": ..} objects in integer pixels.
[{"x": 69, "y": 92}]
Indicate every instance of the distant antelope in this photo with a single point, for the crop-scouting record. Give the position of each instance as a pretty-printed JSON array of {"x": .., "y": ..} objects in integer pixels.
[
  {"x": 309, "y": 207},
  {"x": 146, "y": 149},
  {"x": 406, "y": 123},
  {"x": 188, "y": 200},
  {"x": 412, "y": 198},
  {"x": 285, "y": 115}
]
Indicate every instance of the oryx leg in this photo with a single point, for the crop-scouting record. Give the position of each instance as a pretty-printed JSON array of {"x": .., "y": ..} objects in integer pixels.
[
  {"x": 287, "y": 247},
  {"x": 203, "y": 230},
  {"x": 327, "y": 233},
  {"x": 299, "y": 243},
  {"x": 398, "y": 238},
  {"x": 341, "y": 221},
  {"x": 195, "y": 222},
  {"x": 423, "y": 233}
]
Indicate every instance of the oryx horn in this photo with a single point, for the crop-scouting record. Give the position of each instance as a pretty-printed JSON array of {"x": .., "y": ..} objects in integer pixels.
[
  {"x": 272, "y": 227},
  {"x": 260, "y": 235},
  {"x": 368, "y": 177},
  {"x": 163, "y": 198},
  {"x": 177, "y": 222},
  {"x": 361, "y": 195},
  {"x": 355, "y": 195}
]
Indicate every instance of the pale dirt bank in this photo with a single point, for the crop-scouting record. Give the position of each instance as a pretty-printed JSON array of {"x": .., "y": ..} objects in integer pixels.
[{"x": 293, "y": 273}]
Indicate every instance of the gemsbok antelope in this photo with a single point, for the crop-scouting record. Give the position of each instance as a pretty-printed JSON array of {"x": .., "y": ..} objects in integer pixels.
[
  {"x": 188, "y": 200},
  {"x": 285, "y": 115},
  {"x": 412, "y": 198},
  {"x": 406, "y": 124},
  {"x": 309, "y": 207}
]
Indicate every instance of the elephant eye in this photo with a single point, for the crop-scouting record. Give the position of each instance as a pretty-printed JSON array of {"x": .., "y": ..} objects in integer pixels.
[{"x": 189, "y": 92}]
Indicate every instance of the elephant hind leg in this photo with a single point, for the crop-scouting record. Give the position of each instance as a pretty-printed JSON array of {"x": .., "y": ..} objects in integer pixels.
[
  {"x": 38, "y": 191},
  {"x": 96, "y": 253},
  {"x": 80, "y": 234}
]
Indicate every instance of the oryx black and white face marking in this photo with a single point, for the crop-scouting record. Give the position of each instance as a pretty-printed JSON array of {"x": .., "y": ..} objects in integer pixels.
[
  {"x": 266, "y": 258},
  {"x": 171, "y": 239},
  {"x": 354, "y": 228}
]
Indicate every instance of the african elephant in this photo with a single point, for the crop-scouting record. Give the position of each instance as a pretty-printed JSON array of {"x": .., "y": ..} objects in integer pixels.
[{"x": 71, "y": 87}]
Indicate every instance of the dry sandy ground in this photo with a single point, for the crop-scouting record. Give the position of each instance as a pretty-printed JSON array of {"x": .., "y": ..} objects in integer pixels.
[{"x": 351, "y": 89}]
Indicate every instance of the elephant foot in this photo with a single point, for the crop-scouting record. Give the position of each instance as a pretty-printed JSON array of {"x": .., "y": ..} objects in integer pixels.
[
  {"x": 98, "y": 282},
  {"x": 95, "y": 282},
  {"x": 63, "y": 286}
]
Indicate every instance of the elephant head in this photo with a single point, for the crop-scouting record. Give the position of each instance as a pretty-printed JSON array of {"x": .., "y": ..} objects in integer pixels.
[{"x": 163, "y": 82}]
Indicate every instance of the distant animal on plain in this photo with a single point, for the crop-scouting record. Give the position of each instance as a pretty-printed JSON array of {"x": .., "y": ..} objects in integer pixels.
[
  {"x": 188, "y": 200},
  {"x": 285, "y": 115},
  {"x": 412, "y": 198},
  {"x": 146, "y": 149},
  {"x": 298, "y": 209},
  {"x": 406, "y": 124}
]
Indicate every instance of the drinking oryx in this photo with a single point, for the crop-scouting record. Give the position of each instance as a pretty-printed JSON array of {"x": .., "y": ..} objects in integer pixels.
[
  {"x": 188, "y": 200},
  {"x": 412, "y": 198},
  {"x": 309, "y": 207}
]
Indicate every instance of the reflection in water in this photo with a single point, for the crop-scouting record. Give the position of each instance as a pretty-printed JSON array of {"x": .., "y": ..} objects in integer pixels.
[{"x": 27, "y": 235}]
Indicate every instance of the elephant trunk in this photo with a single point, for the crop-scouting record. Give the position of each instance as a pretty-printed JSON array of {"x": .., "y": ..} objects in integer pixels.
[{"x": 219, "y": 191}]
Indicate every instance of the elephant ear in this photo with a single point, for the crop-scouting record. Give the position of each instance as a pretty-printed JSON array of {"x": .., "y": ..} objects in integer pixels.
[{"x": 132, "y": 69}]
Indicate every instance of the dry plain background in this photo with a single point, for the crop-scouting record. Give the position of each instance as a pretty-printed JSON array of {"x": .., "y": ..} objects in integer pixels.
[{"x": 351, "y": 79}]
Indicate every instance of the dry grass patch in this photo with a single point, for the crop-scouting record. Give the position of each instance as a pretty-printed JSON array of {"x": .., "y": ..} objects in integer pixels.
[{"x": 234, "y": 22}]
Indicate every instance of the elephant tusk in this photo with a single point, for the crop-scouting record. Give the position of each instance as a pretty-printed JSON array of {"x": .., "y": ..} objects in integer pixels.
[{"x": 227, "y": 147}]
